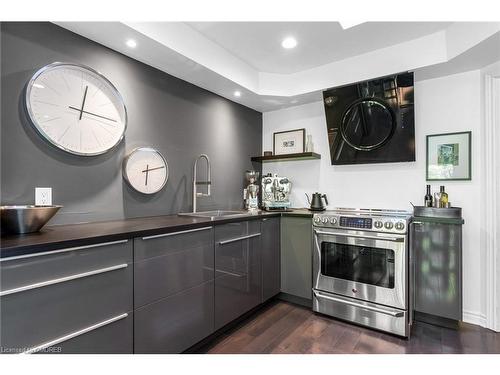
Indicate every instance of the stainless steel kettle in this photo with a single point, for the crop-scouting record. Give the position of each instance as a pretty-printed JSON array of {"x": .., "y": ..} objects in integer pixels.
[{"x": 316, "y": 203}]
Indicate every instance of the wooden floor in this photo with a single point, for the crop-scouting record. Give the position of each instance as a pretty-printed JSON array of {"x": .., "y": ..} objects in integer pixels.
[{"x": 282, "y": 327}]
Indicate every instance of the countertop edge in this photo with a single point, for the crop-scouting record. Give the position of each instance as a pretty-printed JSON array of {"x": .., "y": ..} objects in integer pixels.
[{"x": 49, "y": 245}]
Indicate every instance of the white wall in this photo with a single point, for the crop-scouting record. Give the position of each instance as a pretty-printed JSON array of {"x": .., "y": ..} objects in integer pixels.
[
  {"x": 445, "y": 104},
  {"x": 490, "y": 208}
]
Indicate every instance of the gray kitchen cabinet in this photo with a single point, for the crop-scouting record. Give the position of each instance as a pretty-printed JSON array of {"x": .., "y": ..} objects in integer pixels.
[
  {"x": 57, "y": 295},
  {"x": 174, "y": 290},
  {"x": 173, "y": 324},
  {"x": 170, "y": 263},
  {"x": 271, "y": 279},
  {"x": 238, "y": 280},
  {"x": 296, "y": 257},
  {"x": 436, "y": 246}
]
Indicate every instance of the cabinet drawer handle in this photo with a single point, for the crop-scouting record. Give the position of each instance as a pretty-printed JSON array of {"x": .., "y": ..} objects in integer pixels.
[
  {"x": 176, "y": 233},
  {"x": 62, "y": 250},
  {"x": 230, "y": 273},
  {"x": 62, "y": 279},
  {"x": 238, "y": 239},
  {"x": 387, "y": 238},
  {"x": 74, "y": 334},
  {"x": 390, "y": 312}
]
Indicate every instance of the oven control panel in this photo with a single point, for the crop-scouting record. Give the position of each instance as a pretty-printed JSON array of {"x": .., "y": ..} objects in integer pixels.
[
  {"x": 374, "y": 223},
  {"x": 356, "y": 222}
]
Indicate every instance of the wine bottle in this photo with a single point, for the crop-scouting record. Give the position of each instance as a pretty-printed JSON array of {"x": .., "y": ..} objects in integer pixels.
[
  {"x": 428, "y": 197},
  {"x": 443, "y": 198}
]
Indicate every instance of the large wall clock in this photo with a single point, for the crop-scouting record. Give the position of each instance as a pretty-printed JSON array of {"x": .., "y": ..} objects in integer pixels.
[
  {"x": 76, "y": 109},
  {"x": 146, "y": 170}
]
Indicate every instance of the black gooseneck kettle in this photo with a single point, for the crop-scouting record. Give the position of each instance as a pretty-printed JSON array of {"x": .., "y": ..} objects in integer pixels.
[{"x": 316, "y": 203}]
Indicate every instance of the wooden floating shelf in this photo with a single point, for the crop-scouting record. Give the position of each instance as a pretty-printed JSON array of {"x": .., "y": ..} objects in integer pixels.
[{"x": 287, "y": 157}]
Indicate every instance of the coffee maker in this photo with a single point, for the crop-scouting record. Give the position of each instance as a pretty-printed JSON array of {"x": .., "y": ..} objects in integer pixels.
[
  {"x": 251, "y": 192},
  {"x": 275, "y": 192}
]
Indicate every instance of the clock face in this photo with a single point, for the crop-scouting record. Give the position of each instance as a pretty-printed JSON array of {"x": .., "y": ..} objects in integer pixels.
[
  {"x": 146, "y": 170},
  {"x": 76, "y": 109}
]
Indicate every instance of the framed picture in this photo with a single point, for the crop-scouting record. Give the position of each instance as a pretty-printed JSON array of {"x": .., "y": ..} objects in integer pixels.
[
  {"x": 289, "y": 142},
  {"x": 449, "y": 157}
]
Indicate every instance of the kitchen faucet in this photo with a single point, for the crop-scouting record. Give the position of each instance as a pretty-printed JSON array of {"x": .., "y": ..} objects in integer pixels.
[{"x": 208, "y": 182}]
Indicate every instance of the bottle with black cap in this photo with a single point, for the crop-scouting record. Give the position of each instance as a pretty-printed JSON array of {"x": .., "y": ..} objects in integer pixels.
[{"x": 428, "y": 197}]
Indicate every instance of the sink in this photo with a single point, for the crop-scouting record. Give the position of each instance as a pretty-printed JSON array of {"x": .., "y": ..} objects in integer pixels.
[{"x": 212, "y": 215}]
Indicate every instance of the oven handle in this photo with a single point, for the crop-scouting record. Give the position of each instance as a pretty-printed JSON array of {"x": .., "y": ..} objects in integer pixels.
[
  {"x": 393, "y": 313},
  {"x": 394, "y": 239}
]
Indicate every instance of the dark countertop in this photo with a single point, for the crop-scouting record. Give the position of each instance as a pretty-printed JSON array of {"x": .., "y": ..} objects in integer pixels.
[{"x": 63, "y": 236}]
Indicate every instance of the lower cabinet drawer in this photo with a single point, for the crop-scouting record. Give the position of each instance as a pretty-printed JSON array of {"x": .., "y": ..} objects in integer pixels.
[
  {"x": 48, "y": 311},
  {"x": 235, "y": 294},
  {"x": 112, "y": 336},
  {"x": 238, "y": 273},
  {"x": 175, "y": 323},
  {"x": 18, "y": 271},
  {"x": 174, "y": 267}
]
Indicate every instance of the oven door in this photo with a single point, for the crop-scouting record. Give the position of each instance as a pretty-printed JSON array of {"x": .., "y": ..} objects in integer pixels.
[{"x": 368, "y": 266}]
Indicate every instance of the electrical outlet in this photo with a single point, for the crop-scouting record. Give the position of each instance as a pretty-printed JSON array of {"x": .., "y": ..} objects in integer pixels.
[{"x": 43, "y": 196}]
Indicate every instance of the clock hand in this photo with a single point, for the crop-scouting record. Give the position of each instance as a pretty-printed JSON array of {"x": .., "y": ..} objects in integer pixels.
[
  {"x": 147, "y": 171},
  {"x": 93, "y": 114},
  {"x": 153, "y": 169},
  {"x": 83, "y": 103}
]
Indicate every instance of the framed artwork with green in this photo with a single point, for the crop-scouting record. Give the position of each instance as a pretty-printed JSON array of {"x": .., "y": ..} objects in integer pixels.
[{"x": 449, "y": 157}]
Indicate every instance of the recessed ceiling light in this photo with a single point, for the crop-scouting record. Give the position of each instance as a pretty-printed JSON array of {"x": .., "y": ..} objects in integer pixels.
[
  {"x": 131, "y": 43},
  {"x": 237, "y": 94},
  {"x": 289, "y": 42}
]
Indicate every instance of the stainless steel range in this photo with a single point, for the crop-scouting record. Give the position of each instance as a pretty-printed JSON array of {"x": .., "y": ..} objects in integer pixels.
[{"x": 361, "y": 267}]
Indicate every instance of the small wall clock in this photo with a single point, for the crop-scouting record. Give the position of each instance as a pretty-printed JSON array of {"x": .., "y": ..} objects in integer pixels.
[
  {"x": 146, "y": 170},
  {"x": 76, "y": 109}
]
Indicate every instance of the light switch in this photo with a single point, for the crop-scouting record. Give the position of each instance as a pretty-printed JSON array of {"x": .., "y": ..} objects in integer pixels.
[{"x": 43, "y": 196}]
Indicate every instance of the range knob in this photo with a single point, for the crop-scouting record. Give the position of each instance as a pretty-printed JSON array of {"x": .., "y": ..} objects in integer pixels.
[
  {"x": 317, "y": 219},
  {"x": 388, "y": 225},
  {"x": 324, "y": 220},
  {"x": 400, "y": 225},
  {"x": 378, "y": 224},
  {"x": 333, "y": 220}
]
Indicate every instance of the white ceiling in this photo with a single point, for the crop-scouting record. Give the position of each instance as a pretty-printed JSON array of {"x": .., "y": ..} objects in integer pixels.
[
  {"x": 259, "y": 43},
  {"x": 248, "y": 57}
]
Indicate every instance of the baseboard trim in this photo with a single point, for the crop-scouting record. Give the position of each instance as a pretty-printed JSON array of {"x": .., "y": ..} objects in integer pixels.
[
  {"x": 295, "y": 299},
  {"x": 474, "y": 317},
  {"x": 436, "y": 320}
]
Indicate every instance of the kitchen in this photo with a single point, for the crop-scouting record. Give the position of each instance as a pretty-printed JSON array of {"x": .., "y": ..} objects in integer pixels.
[{"x": 224, "y": 199}]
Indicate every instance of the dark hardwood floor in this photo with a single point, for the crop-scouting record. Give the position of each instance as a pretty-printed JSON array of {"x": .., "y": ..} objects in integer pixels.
[{"x": 282, "y": 327}]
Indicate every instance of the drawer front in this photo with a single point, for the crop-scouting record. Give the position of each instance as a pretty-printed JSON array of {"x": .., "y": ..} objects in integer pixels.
[
  {"x": 177, "y": 269},
  {"x": 236, "y": 257},
  {"x": 238, "y": 277},
  {"x": 236, "y": 294},
  {"x": 234, "y": 230},
  {"x": 170, "y": 243},
  {"x": 237, "y": 247},
  {"x": 35, "y": 316},
  {"x": 16, "y": 272},
  {"x": 174, "y": 324},
  {"x": 112, "y": 336}
]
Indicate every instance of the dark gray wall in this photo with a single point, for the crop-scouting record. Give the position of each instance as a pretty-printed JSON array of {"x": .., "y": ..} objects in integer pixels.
[{"x": 179, "y": 119}]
